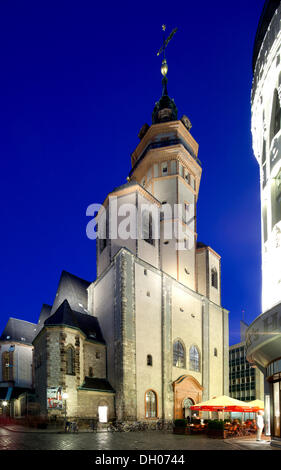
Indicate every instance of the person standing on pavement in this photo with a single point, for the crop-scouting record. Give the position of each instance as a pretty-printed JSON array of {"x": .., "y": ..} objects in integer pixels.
[{"x": 260, "y": 425}]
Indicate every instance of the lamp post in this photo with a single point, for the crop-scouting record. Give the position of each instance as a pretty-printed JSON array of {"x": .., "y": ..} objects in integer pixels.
[{"x": 64, "y": 396}]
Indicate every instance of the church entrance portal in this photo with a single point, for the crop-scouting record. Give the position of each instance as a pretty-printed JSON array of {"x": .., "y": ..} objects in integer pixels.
[{"x": 187, "y": 392}]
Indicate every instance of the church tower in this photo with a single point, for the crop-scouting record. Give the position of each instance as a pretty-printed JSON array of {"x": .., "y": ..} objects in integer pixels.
[
  {"x": 166, "y": 164},
  {"x": 158, "y": 298}
]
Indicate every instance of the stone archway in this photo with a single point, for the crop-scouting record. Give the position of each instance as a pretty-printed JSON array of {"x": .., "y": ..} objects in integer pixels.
[{"x": 185, "y": 387}]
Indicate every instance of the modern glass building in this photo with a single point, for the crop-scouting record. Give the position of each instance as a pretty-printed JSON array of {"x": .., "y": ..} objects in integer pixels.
[
  {"x": 263, "y": 340},
  {"x": 246, "y": 381}
]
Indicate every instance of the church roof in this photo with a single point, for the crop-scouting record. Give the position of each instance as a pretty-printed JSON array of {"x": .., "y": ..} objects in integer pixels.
[
  {"x": 19, "y": 330},
  {"x": 74, "y": 289},
  {"x": 44, "y": 314},
  {"x": 93, "y": 383},
  {"x": 132, "y": 184},
  {"x": 66, "y": 316},
  {"x": 125, "y": 186}
]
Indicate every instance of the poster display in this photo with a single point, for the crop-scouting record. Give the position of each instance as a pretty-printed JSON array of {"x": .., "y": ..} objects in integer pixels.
[{"x": 54, "y": 398}]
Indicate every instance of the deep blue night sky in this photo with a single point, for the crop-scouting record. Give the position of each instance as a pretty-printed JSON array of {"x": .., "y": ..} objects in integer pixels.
[{"x": 77, "y": 82}]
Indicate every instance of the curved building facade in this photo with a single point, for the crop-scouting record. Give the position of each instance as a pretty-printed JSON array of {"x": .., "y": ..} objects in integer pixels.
[{"x": 264, "y": 334}]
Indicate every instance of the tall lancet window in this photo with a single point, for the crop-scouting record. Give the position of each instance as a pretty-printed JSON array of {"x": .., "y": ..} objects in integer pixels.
[
  {"x": 194, "y": 359},
  {"x": 150, "y": 404},
  {"x": 70, "y": 360},
  {"x": 276, "y": 116},
  {"x": 178, "y": 355}
]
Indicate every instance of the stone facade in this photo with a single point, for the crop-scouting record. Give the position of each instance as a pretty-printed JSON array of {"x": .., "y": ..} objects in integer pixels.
[{"x": 50, "y": 350}]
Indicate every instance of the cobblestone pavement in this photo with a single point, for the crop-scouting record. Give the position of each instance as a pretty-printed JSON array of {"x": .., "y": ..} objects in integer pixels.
[{"x": 10, "y": 440}]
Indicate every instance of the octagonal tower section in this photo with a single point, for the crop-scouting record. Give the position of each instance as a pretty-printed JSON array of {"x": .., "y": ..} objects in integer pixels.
[{"x": 166, "y": 164}]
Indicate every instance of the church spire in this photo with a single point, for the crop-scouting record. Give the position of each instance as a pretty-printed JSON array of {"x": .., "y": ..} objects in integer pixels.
[{"x": 165, "y": 109}]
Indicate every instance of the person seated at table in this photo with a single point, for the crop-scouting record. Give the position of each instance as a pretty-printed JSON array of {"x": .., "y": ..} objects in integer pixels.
[{"x": 253, "y": 426}]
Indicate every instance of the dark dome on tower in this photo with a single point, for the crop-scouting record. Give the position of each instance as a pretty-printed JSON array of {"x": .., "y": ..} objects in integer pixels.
[{"x": 165, "y": 109}]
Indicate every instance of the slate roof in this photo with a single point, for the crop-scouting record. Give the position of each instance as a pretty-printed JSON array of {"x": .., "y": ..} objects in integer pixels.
[
  {"x": 74, "y": 289},
  {"x": 201, "y": 245},
  {"x": 93, "y": 383},
  {"x": 66, "y": 316},
  {"x": 20, "y": 331},
  {"x": 44, "y": 314}
]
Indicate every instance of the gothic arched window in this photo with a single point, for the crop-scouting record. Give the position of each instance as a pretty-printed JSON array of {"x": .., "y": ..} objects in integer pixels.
[
  {"x": 150, "y": 404},
  {"x": 214, "y": 278},
  {"x": 70, "y": 365},
  {"x": 276, "y": 116},
  {"x": 194, "y": 359},
  {"x": 178, "y": 354}
]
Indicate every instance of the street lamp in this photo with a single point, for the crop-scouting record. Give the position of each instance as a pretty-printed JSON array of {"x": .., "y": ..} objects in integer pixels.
[
  {"x": 64, "y": 396},
  {"x": 5, "y": 404}
]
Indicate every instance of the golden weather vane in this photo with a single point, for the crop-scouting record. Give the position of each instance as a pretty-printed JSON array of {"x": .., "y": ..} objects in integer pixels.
[
  {"x": 166, "y": 41},
  {"x": 164, "y": 67}
]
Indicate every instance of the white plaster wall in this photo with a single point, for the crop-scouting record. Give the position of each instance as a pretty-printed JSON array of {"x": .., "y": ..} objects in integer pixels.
[
  {"x": 201, "y": 272},
  {"x": 148, "y": 336},
  {"x": 103, "y": 309},
  {"x": 214, "y": 262},
  {"x": 215, "y": 341}
]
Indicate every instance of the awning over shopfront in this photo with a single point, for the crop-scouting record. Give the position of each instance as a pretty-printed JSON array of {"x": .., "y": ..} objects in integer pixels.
[
  {"x": 223, "y": 403},
  {"x": 9, "y": 393}
]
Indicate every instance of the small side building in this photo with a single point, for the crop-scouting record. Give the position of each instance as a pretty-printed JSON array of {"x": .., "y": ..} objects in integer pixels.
[{"x": 70, "y": 368}]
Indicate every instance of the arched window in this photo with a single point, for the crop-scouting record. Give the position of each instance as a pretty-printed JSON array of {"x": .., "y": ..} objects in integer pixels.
[
  {"x": 149, "y": 360},
  {"x": 276, "y": 116},
  {"x": 70, "y": 360},
  {"x": 178, "y": 354},
  {"x": 214, "y": 278},
  {"x": 194, "y": 359},
  {"x": 215, "y": 352},
  {"x": 150, "y": 404}
]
